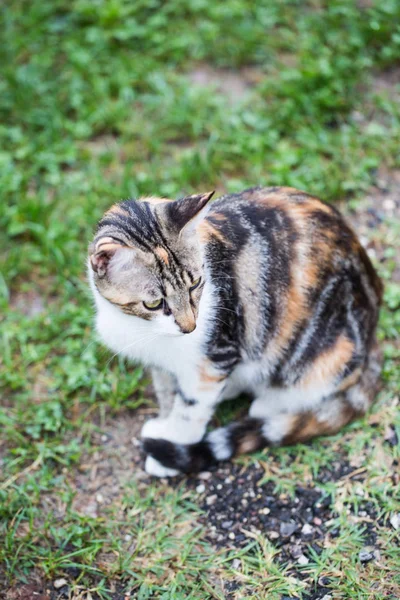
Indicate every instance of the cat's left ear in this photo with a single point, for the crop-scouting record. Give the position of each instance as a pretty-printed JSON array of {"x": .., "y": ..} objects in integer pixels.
[
  {"x": 187, "y": 212},
  {"x": 101, "y": 252}
]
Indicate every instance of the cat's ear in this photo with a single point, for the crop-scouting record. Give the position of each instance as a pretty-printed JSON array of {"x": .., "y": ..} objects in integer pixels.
[
  {"x": 186, "y": 212},
  {"x": 101, "y": 252}
]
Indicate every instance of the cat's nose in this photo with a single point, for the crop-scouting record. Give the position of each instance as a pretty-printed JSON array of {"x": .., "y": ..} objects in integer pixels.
[
  {"x": 186, "y": 324},
  {"x": 188, "y": 328}
]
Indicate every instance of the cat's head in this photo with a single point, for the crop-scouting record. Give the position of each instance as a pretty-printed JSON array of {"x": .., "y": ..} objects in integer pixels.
[{"x": 146, "y": 259}]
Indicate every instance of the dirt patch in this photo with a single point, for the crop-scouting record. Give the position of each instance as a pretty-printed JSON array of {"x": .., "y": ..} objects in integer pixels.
[
  {"x": 116, "y": 461},
  {"x": 234, "y": 84}
]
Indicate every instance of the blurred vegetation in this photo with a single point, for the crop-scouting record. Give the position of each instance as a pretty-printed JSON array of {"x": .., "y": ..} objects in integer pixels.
[{"x": 97, "y": 103}]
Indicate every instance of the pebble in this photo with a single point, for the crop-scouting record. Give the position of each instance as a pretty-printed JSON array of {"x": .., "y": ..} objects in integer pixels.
[
  {"x": 265, "y": 511},
  {"x": 231, "y": 535},
  {"x": 128, "y": 537},
  {"x": 201, "y": 488},
  {"x": 296, "y": 551},
  {"x": 104, "y": 438},
  {"x": 287, "y": 529},
  {"x": 226, "y": 524},
  {"x": 236, "y": 563},
  {"x": 204, "y": 475},
  {"x": 99, "y": 498},
  {"x": 389, "y": 204},
  {"x": 359, "y": 491},
  {"x": 395, "y": 521},
  {"x": 303, "y": 560},
  {"x": 317, "y": 521},
  {"x": 59, "y": 583},
  {"x": 211, "y": 499},
  {"x": 326, "y": 597},
  {"x": 273, "y": 535},
  {"x": 367, "y": 554},
  {"x": 307, "y": 529}
]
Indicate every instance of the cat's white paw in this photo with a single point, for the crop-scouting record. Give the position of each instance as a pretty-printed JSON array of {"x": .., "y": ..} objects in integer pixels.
[
  {"x": 156, "y": 429},
  {"x": 173, "y": 430},
  {"x": 155, "y": 468}
]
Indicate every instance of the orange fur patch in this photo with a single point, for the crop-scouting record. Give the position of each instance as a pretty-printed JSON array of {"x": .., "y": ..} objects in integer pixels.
[
  {"x": 349, "y": 380},
  {"x": 116, "y": 209},
  {"x": 218, "y": 216},
  {"x": 106, "y": 244},
  {"x": 206, "y": 230},
  {"x": 209, "y": 376},
  {"x": 306, "y": 426},
  {"x": 330, "y": 363},
  {"x": 154, "y": 200},
  {"x": 162, "y": 253}
]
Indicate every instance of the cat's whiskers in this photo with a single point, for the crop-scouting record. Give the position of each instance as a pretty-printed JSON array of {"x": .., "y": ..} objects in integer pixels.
[{"x": 145, "y": 339}]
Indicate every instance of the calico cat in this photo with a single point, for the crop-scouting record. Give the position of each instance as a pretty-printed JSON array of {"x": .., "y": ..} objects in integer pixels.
[{"x": 267, "y": 292}]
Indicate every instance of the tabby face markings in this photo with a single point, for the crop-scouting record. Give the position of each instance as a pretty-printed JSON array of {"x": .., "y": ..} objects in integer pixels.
[{"x": 146, "y": 260}]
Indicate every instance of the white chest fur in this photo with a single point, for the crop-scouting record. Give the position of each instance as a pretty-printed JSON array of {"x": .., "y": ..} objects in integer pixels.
[{"x": 145, "y": 342}]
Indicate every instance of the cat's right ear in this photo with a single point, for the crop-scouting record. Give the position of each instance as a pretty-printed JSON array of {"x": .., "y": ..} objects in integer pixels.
[{"x": 101, "y": 251}]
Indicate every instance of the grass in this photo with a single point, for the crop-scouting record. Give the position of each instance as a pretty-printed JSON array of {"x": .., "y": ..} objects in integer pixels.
[{"x": 97, "y": 103}]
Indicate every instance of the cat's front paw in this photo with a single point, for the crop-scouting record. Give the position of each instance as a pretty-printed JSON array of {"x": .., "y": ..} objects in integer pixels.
[
  {"x": 156, "y": 429},
  {"x": 155, "y": 468},
  {"x": 173, "y": 430}
]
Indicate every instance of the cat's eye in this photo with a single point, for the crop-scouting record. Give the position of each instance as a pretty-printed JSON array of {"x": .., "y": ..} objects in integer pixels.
[
  {"x": 195, "y": 284},
  {"x": 154, "y": 305}
]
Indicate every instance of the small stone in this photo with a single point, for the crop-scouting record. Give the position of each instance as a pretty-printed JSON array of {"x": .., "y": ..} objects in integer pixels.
[
  {"x": 395, "y": 521},
  {"x": 317, "y": 521},
  {"x": 99, "y": 498},
  {"x": 128, "y": 537},
  {"x": 104, "y": 438},
  {"x": 244, "y": 502},
  {"x": 326, "y": 597},
  {"x": 210, "y": 500},
  {"x": 359, "y": 491},
  {"x": 389, "y": 204},
  {"x": 204, "y": 475},
  {"x": 226, "y": 524},
  {"x": 236, "y": 563},
  {"x": 307, "y": 529},
  {"x": 366, "y": 554},
  {"x": 273, "y": 535},
  {"x": 219, "y": 486},
  {"x": 287, "y": 529},
  {"x": 59, "y": 583},
  {"x": 265, "y": 511},
  {"x": 231, "y": 535},
  {"x": 201, "y": 488},
  {"x": 303, "y": 560},
  {"x": 296, "y": 551},
  {"x": 136, "y": 442}
]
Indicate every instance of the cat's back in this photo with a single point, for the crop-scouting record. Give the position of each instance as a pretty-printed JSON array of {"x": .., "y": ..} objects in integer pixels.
[
  {"x": 295, "y": 230},
  {"x": 285, "y": 262}
]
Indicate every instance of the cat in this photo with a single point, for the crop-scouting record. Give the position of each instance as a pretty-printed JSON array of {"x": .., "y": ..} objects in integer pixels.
[{"x": 266, "y": 292}]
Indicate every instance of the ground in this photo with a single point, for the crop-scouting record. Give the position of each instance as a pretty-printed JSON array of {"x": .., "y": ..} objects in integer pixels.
[{"x": 117, "y": 99}]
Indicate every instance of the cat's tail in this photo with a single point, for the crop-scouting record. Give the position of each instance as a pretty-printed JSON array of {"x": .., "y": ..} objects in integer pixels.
[
  {"x": 239, "y": 437},
  {"x": 251, "y": 434}
]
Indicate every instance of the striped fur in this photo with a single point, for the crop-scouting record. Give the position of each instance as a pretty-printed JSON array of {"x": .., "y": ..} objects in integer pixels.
[{"x": 286, "y": 308}]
